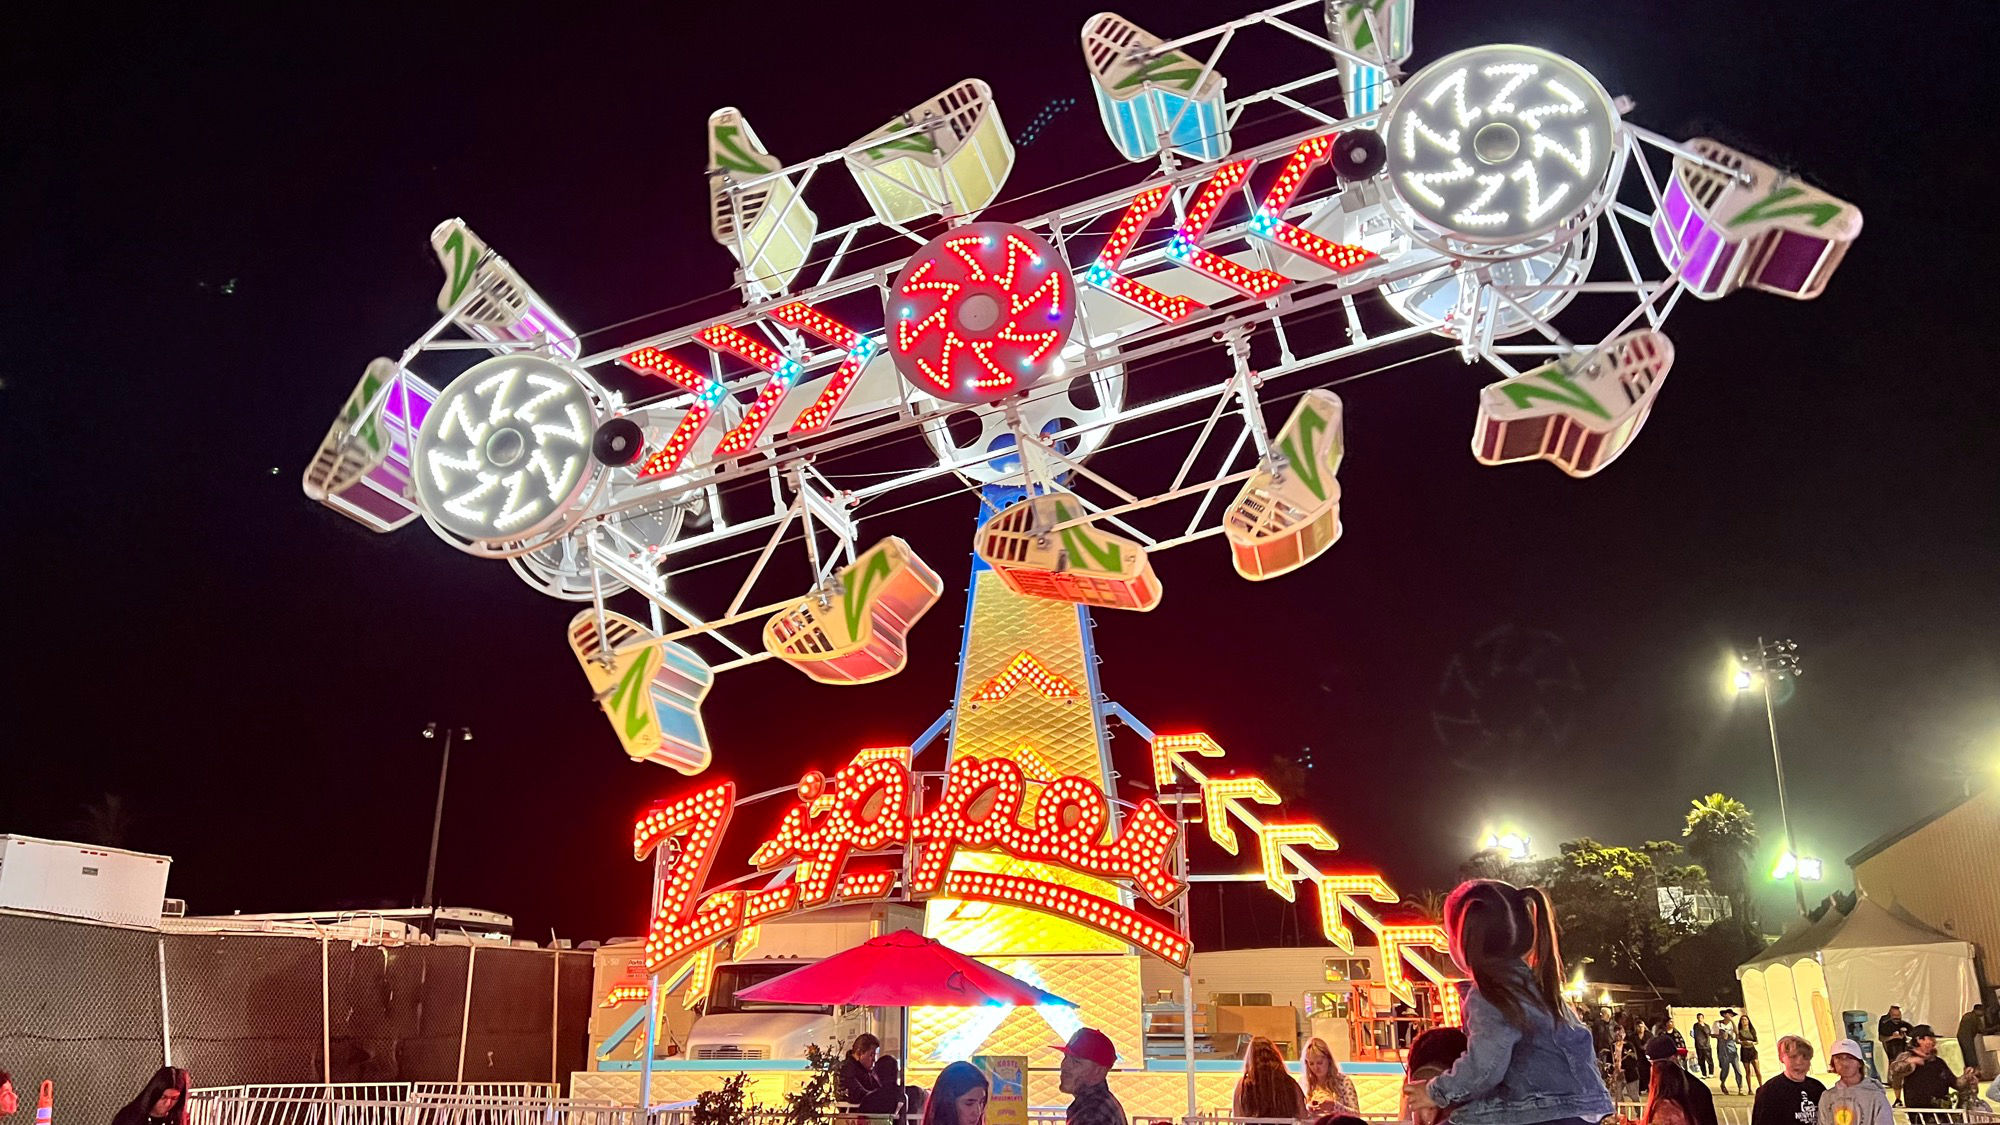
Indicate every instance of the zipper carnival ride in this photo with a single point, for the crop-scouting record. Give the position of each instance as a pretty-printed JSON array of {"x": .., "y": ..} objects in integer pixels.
[{"x": 1271, "y": 242}]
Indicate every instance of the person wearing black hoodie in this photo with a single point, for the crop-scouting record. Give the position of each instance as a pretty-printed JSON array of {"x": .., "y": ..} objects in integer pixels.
[{"x": 162, "y": 1102}]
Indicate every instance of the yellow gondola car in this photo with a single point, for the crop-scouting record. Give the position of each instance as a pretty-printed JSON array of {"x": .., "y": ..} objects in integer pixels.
[
  {"x": 1289, "y": 513},
  {"x": 858, "y": 633},
  {"x": 954, "y": 166},
  {"x": 767, "y": 227},
  {"x": 1078, "y": 564}
]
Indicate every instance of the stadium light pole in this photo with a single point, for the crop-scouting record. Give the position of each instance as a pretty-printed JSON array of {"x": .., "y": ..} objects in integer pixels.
[
  {"x": 1757, "y": 668},
  {"x": 431, "y": 731}
]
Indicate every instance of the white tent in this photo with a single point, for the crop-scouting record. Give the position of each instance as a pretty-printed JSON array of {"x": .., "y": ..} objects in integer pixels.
[{"x": 1865, "y": 959}]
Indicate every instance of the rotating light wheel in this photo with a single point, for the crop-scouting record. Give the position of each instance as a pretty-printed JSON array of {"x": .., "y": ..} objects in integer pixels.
[
  {"x": 1501, "y": 152},
  {"x": 561, "y": 569},
  {"x": 503, "y": 464},
  {"x": 981, "y": 312},
  {"x": 1540, "y": 286}
]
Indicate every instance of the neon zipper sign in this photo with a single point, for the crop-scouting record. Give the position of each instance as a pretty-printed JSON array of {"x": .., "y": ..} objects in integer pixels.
[{"x": 870, "y": 807}]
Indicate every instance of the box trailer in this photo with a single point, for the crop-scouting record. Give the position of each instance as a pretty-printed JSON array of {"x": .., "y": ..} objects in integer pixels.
[{"x": 124, "y": 888}]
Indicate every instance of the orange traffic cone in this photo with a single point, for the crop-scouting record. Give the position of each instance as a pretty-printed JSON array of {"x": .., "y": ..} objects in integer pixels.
[{"x": 44, "y": 1102}]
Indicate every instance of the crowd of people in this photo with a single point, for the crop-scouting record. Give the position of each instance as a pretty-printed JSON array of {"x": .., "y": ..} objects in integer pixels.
[
  {"x": 869, "y": 1081},
  {"x": 1725, "y": 1049},
  {"x": 1524, "y": 1057}
]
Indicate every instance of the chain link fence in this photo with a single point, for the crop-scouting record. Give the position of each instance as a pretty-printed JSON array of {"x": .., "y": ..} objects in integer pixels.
[
  {"x": 97, "y": 1008},
  {"x": 78, "y": 1002}
]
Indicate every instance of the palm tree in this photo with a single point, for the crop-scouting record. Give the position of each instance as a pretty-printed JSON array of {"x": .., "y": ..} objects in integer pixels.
[
  {"x": 109, "y": 821},
  {"x": 1721, "y": 836},
  {"x": 1430, "y": 902}
]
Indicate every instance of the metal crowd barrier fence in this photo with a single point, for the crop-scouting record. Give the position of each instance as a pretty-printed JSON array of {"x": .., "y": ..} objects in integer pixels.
[
  {"x": 402, "y": 1103},
  {"x": 519, "y": 1103},
  {"x": 1731, "y": 1115},
  {"x": 1724, "y": 1115}
]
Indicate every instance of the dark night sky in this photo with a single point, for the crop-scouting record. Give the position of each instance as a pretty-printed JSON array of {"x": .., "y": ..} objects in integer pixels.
[{"x": 251, "y": 670}]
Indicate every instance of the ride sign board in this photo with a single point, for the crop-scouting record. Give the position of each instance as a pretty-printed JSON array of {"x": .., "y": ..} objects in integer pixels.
[{"x": 869, "y": 809}]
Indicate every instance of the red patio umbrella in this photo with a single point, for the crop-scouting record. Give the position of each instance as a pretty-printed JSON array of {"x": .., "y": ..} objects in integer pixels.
[{"x": 901, "y": 970}]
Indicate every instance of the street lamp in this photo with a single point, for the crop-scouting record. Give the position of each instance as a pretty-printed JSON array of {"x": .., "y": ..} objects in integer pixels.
[
  {"x": 1803, "y": 866},
  {"x": 1513, "y": 845},
  {"x": 1756, "y": 669},
  {"x": 431, "y": 731}
]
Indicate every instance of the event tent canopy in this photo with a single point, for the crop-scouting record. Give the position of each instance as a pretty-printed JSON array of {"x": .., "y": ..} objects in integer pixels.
[{"x": 1863, "y": 958}]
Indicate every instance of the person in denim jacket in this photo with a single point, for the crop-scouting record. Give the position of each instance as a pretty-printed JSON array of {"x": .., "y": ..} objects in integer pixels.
[{"x": 1528, "y": 1059}]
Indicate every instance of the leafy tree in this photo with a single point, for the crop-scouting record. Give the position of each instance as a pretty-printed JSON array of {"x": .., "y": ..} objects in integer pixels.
[
  {"x": 726, "y": 1106},
  {"x": 813, "y": 1100},
  {"x": 1606, "y": 898},
  {"x": 1608, "y": 902},
  {"x": 1721, "y": 836}
]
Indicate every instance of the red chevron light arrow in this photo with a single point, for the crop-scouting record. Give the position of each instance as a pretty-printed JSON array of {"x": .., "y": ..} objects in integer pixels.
[{"x": 1339, "y": 257}]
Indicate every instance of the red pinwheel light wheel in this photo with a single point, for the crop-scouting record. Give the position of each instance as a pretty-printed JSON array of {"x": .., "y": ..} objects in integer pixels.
[{"x": 980, "y": 312}]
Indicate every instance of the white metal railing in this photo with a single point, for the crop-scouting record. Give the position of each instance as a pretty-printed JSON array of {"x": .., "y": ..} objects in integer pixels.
[
  {"x": 400, "y": 1103},
  {"x": 1724, "y": 1115},
  {"x": 1227, "y": 1119},
  {"x": 1732, "y": 1115},
  {"x": 346, "y": 1103},
  {"x": 485, "y": 1089}
]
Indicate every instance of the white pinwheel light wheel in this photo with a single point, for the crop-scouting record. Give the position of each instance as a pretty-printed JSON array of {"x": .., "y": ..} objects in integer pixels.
[
  {"x": 504, "y": 456},
  {"x": 1497, "y": 147}
]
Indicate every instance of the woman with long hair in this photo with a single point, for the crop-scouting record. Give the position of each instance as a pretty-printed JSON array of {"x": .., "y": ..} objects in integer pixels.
[
  {"x": 162, "y": 1102},
  {"x": 1528, "y": 1058},
  {"x": 1674, "y": 1097},
  {"x": 958, "y": 1097},
  {"x": 1746, "y": 1050},
  {"x": 1267, "y": 1089},
  {"x": 1327, "y": 1089}
]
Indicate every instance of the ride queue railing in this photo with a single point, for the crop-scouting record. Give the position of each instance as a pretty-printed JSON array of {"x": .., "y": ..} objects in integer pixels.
[
  {"x": 540, "y": 1103},
  {"x": 403, "y": 1103}
]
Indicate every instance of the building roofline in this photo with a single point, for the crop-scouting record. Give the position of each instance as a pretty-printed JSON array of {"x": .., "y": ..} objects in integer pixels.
[{"x": 1883, "y": 843}]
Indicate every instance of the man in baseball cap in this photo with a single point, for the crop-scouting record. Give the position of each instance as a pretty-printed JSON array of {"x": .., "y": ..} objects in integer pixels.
[
  {"x": 1927, "y": 1079},
  {"x": 1087, "y": 1059}
]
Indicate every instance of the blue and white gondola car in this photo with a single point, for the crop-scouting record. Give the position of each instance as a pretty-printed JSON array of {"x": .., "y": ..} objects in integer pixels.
[
  {"x": 1366, "y": 27},
  {"x": 1144, "y": 95},
  {"x": 651, "y": 690},
  {"x": 1759, "y": 227}
]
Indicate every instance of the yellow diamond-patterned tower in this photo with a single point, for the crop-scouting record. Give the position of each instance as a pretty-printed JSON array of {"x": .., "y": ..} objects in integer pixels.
[{"x": 1027, "y": 691}]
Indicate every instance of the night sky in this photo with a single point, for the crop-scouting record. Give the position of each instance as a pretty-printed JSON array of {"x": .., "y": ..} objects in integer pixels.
[{"x": 215, "y": 219}]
